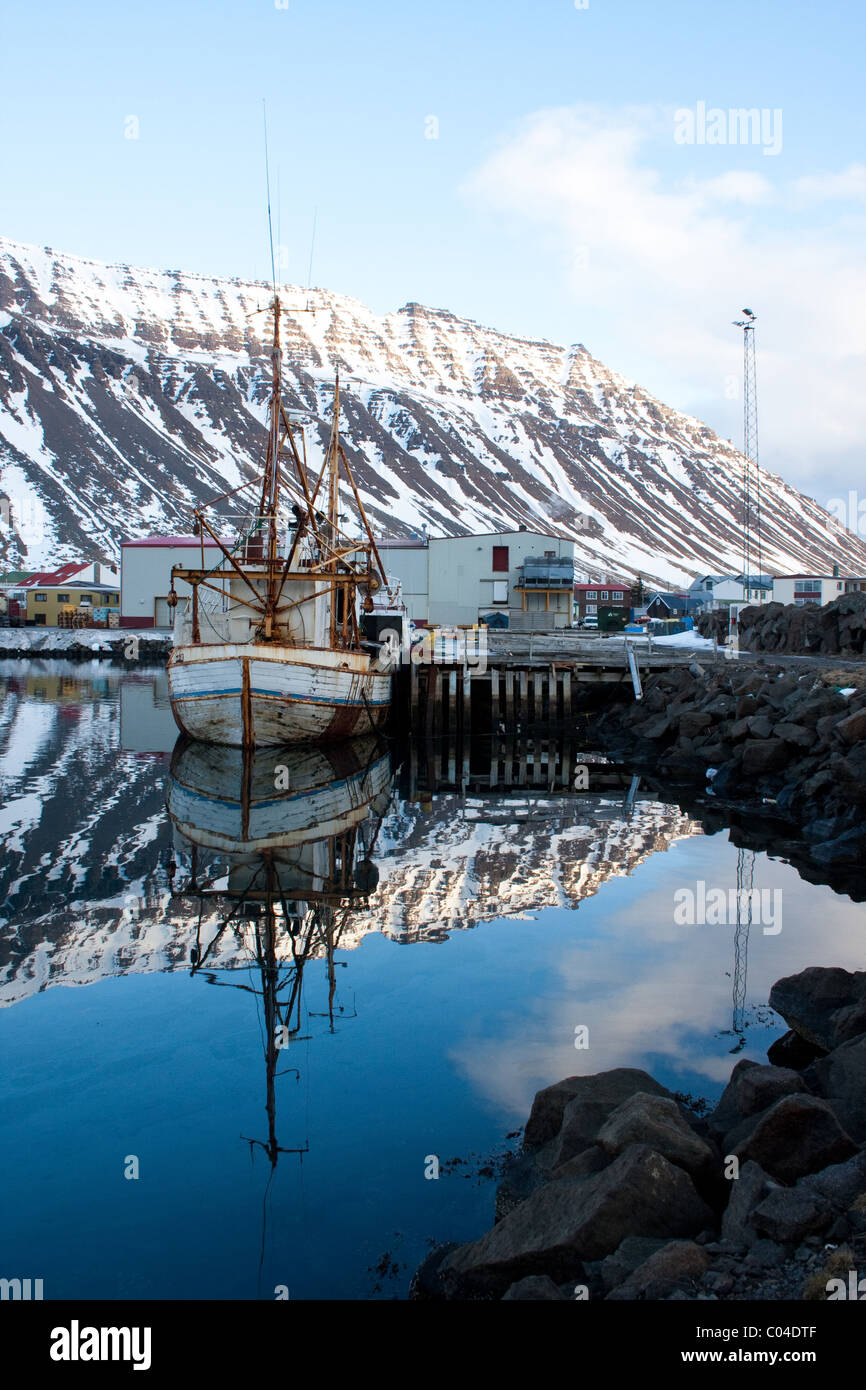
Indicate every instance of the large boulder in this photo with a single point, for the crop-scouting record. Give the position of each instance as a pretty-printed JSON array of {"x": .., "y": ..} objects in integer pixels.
[
  {"x": 657, "y": 1121},
  {"x": 751, "y": 1089},
  {"x": 841, "y": 1184},
  {"x": 678, "y": 1265},
  {"x": 825, "y": 1005},
  {"x": 633, "y": 1251},
  {"x": 798, "y": 1135},
  {"x": 605, "y": 1088},
  {"x": 747, "y": 1192},
  {"x": 577, "y": 1219},
  {"x": 853, "y": 728},
  {"x": 763, "y": 755},
  {"x": 841, "y": 1078},
  {"x": 789, "y": 1214}
]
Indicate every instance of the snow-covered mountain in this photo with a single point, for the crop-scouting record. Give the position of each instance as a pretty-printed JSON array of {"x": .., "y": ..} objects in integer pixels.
[{"x": 129, "y": 395}]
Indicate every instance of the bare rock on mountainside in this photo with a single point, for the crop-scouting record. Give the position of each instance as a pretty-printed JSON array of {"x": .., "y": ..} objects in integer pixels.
[{"x": 447, "y": 423}]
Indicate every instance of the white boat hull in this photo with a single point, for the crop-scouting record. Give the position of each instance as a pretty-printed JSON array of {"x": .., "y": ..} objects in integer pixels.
[
  {"x": 247, "y": 695},
  {"x": 218, "y": 802}
]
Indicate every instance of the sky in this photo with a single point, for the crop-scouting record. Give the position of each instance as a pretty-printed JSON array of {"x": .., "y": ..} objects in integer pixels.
[{"x": 560, "y": 169}]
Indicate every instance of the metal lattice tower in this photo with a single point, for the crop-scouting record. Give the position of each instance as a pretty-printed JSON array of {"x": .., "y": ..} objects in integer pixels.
[
  {"x": 742, "y": 930},
  {"x": 751, "y": 467}
]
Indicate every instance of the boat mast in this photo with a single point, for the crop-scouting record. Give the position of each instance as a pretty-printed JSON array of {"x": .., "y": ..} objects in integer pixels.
[
  {"x": 271, "y": 480},
  {"x": 333, "y": 510}
]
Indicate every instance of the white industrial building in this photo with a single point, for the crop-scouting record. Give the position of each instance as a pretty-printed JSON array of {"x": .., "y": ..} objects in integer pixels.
[
  {"x": 523, "y": 577},
  {"x": 145, "y": 576}
]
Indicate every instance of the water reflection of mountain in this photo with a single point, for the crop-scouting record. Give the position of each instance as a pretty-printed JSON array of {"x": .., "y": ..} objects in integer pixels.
[{"x": 89, "y": 876}]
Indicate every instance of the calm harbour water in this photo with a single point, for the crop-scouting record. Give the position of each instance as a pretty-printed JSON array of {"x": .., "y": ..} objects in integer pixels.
[{"x": 422, "y": 1010}]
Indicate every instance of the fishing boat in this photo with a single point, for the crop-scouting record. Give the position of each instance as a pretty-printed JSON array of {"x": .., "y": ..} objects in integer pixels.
[
  {"x": 277, "y": 642},
  {"x": 278, "y": 874}
]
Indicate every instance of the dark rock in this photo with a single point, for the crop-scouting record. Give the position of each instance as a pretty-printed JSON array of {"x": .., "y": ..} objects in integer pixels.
[
  {"x": 751, "y": 1089},
  {"x": 747, "y": 1192},
  {"x": 825, "y": 1005},
  {"x": 426, "y": 1281},
  {"x": 849, "y": 848},
  {"x": 627, "y": 1257},
  {"x": 841, "y": 1079},
  {"x": 535, "y": 1288},
  {"x": 718, "y": 1282},
  {"x": 840, "y": 1184},
  {"x": 692, "y": 723},
  {"x": 522, "y": 1174},
  {"x": 853, "y": 728},
  {"x": 591, "y": 1160},
  {"x": 578, "y": 1219},
  {"x": 787, "y": 1214},
  {"x": 820, "y": 782},
  {"x": 657, "y": 1121},
  {"x": 792, "y": 1051},
  {"x": 676, "y": 1266},
  {"x": 797, "y": 1135},
  {"x": 764, "y": 755},
  {"x": 796, "y": 734},
  {"x": 609, "y": 1088},
  {"x": 764, "y": 1254}
]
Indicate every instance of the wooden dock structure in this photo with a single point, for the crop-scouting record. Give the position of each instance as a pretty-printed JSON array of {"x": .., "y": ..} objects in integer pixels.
[
  {"x": 511, "y": 764},
  {"x": 522, "y": 681}
]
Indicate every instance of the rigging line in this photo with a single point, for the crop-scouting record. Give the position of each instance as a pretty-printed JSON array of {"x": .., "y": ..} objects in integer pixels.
[
  {"x": 312, "y": 247},
  {"x": 268, "y": 184}
]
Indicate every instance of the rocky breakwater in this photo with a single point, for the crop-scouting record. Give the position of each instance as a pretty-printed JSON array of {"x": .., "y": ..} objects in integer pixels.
[
  {"x": 622, "y": 1191},
  {"x": 86, "y": 644},
  {"x": 837, "y": 629},
  {"x": 790, "y": 743}
]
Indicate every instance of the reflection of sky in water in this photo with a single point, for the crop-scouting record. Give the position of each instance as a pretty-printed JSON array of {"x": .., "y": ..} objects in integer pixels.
[
  {"x": 439, "y": 1050},
  {"x": 448, "y": 1046}
]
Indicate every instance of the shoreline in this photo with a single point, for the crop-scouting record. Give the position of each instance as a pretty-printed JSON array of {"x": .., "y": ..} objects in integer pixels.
[{"x": 625, "y": 1191}]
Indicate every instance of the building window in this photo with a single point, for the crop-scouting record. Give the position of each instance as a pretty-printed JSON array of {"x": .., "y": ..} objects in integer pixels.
[
  {"x": 500, "y": 591},
  {"x": 807, "y": 586},
  {"x": 604, "y": 594},
  {"x": 85, "y": 598},
  {"x": 617, "y": 596},
  {"x": 592, "y": 593},
  {"x": 40, "y": 598},
  {"x": 63, "y": 598},
  {"x": 500, "y": 560},
  {"x": 591, "y": 608}
]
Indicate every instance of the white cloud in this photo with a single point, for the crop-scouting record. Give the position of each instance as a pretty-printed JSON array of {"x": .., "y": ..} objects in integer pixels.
[
  {"x": 661, "y": 263},
  {"x": 849, "y": 185}
]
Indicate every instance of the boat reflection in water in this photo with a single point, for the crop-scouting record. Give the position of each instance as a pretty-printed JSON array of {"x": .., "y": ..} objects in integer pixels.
[{"x": 280, "y": 842}]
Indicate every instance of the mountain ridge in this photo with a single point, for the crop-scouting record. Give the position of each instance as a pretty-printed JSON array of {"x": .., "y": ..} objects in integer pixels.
[{"x": 129, "y": 395}]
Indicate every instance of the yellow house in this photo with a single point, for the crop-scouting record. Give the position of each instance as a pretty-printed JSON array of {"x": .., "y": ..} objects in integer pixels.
[{"x": 46, "y": 602}]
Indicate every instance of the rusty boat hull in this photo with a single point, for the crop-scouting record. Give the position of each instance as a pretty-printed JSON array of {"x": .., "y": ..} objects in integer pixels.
[{"x": 252, "y": 695}]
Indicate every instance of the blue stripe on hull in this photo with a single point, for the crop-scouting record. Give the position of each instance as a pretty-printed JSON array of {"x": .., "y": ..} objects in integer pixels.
[{"x": 285, "y": 695}]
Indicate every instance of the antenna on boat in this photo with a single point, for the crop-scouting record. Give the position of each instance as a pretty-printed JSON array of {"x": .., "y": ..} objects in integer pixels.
[
  {"x": 310, "y": 266},
  {"x": 268, "y": 186}
]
